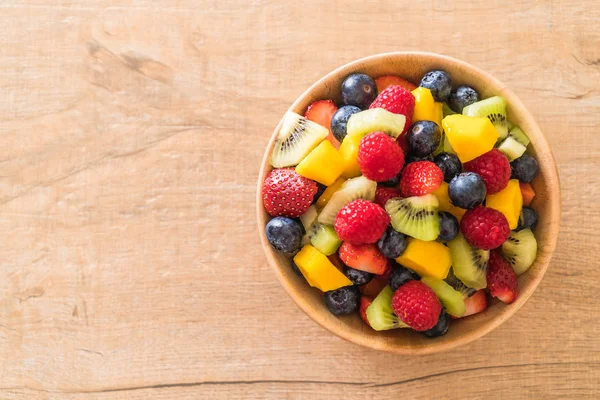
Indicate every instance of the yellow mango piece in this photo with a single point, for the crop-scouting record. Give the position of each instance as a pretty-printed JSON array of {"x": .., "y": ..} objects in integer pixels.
[
  {"x": 426, "y": 108},
  {"x": 445, "y": 204},
  {"x": 349, "y": 152},
  {"x": 326, "y": 196},
  {"x": 509, "y": 201},
  {"x": 426, "y": 258},
  {"x": 319, "y": 271},
  {"x": 470, "y": 137},
  {"x": 324, "y": 164}
]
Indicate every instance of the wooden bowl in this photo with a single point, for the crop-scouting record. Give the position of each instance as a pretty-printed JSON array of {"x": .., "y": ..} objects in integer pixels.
[{"x": 412, "y": 66}]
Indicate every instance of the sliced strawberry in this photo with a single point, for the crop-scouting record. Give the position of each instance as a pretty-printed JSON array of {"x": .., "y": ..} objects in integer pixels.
[
  {"x": 365, "y": 302},
  {"x": 321, "y": 112},
  {"x": 384, "y": 82},
  {"x": 385, "y": 277},
  {"x": 476, "y": 303},
  {"x": 373, "y": 288},
  {"x": 501, "y": 279},
  {"x": 365, "y": 257}
]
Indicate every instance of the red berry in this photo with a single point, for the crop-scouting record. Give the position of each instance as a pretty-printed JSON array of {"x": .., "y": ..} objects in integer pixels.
[
  {"x": 501, "y": 279},
  {"x": 383, "y": 194},
  {"x": 379, "y": 157},
  {"x": 365, "y": 302},
  {"x": 397, "y": 100},
  {"x": 286, "y": 193},
  {"x": 493, "y": 167},
  {"x": 420, "y": 178},
  {"x": 383, "y": 82},
  {"x": 361, "y": 221},
  {"x": 365, "y": 257},
  {"x": 416, "y": 305},
  {"x": 476, "y": 303},
  {"x": 321, "y": 112},
  {"x": 484, "y": 227},
  {"x": 402, "y": 143}
]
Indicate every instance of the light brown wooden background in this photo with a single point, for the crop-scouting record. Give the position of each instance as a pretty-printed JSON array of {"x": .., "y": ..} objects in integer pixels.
[{"x": 130, "y": 138}]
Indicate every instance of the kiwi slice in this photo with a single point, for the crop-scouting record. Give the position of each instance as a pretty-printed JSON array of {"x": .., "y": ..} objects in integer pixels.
[
  {"x": 352, "y": 189},
  {"x": 511, "y": 148},
  {"x": 517, "y": 133},
  {"x": 380, "y": 313},
  {"x": 375, "y": 120},
  {"x": 494, "y": 108},
  {"x": 446, "y": 110},
  {"x": 469, "y": 263},
  {"x": 415, "y": 216},
  {"x": 520, "y": 250},
  {"x": 452, "y": 300},
  {"x": 297, "y": 137},
  {"x": 309, "y": 217},
  {"x": 457, "y": 285},
  {"x": 324, "y": 238}
]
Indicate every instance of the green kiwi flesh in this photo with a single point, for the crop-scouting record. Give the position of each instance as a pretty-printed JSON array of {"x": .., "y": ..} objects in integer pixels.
[
  {"x": 415, "y": 216},
  {"x": 457, "y": 285},
  {"x": 324, "y": 238},
  {"x": 297, "y": 137},
  {"x": 520, "y": 250},
  {"x": 469, "y": 264},
  {"x": 352, "y": 189},
  {"x": 494, "y": 108},
  {"x": 380, "y": 313},
  {"x": 451, "y": 299},
  {"x": 376, "y": 120}
]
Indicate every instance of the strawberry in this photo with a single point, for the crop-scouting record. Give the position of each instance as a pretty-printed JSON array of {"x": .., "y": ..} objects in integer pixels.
[
  {"x": 321, "y": 112},
  {"x": 416, "y": 305},
  {"x": 286, "y": 193},
  {"x": 379, "y": 157},
  {"x": 420, "y": 178},
  {"x": 365, "y": 302},
  {"x": 365, "y": 257},
  {"x": 386, "y": 274},
  {"x": 373, "y": 288},
  {"x": 383, "y": 82},
  {"x": 475, "y": 304},
  {"x": 383, "y": 194},
  {"x": 501, "y": 279},
  {"x": 361, "y": 221},
  {"x": 397, "y": 100}
]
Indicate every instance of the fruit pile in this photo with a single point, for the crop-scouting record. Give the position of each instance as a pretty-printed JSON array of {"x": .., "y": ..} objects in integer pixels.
[{"x": 406, "y": 204}]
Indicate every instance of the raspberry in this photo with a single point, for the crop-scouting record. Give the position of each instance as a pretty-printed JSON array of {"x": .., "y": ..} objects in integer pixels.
[
  {"x": 484, "y": 227},
  {"x": 379, "y": 157},
  {"x": 383, "y": 194},
  {"x": 397, "y": 100},
  {"x": 361, "y": 221},
  {"x": 286, "y": 193},
  {"x": 420, "y": 178},
  {"x": 501, "y": 279},
  {"x": 416, "y": 305},
  {"x": 493, "y": 167}
]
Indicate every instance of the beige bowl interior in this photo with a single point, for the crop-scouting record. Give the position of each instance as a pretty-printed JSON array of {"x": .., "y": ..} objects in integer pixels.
[{"x": 412, "y": 66}]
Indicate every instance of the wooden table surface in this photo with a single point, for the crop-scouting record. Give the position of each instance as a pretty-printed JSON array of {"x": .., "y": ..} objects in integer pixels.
[{"x": 131, "y": 133}]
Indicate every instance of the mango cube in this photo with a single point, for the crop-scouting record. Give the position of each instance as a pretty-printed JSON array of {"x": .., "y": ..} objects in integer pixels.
[
  {"x": 426, "y": 258},
  {"x": 326, "y": 196},
  {"x": 470, "y": 137},
  {"x": 444, "y": 202},
  {"x": 349, "y": 152},
  {"x": 426, "y": 108},
  {"x": 324, "y": 164},
  {"x": 509, "y": 201},
  {"x": 319, "y": 271}
]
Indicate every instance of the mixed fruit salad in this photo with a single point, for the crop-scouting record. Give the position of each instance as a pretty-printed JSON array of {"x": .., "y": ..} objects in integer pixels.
[{"x": 407, "y": 204}]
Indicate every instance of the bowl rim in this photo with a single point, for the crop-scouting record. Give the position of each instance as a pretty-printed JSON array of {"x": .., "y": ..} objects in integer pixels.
[{"x": 554, "y": 199}]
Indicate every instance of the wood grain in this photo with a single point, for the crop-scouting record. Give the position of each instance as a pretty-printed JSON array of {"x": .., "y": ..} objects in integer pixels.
[{"x": 131, "y": 133}]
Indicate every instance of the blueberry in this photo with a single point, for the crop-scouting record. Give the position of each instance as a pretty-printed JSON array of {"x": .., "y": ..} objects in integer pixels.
[
  {"x": 461, "y": 97},
  {"x": 320, "y": 189},
  {"x": 467, "y": 190},
  {"x": 448, "y": 227},
  {"x": 343, "y": 301},
  {"x": 449, "y": 164},
  {"x": 340, "y": 120},
  {"x": 528, "y": 219},
  {"x": 410, "y": 157},
  {"x": 392, "y": 244},
  {"x": 395, "y": 181},
  {"x": 439, "y": 83},
  {"x": 284, "y": 234},
  {"x": 423, "y": 137},
  {"x": 357, "y": 276},
  {"x": 524, "y": 168},
  {"x": 400, "y": 275},
  {"x": 359, "y": 90},
  {"x": 297, "y": 270},
  {"x": 441, "y": 327}
]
